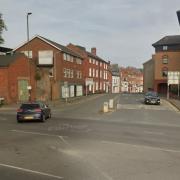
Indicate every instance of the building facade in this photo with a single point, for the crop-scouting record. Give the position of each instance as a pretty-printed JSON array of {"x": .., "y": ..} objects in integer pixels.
[
  {"x": 95, "y": 71},
  {"x": 166, "y": 58},
  {"x": 15, "y": 78},
  {"x": 131, "y": 80},
  {"x": 59, "y": 70},
  {"x": 115, "y": 78}
]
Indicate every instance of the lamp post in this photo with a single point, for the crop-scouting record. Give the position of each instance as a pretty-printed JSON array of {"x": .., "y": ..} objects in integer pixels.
[
  {"x": 178, "y": 16},
  {"x": 29, "y": 87}
]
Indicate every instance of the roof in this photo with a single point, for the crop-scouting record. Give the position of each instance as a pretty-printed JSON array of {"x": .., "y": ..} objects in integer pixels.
[
  {"x": 95, "y": 56},
  {"x": 5, "y": 49},
  {"x": 60, "y": 47},
  {"x": 168, "y": 40},
  {"x": 54, "y": 44},
  {"x": 6, "y": 60}
]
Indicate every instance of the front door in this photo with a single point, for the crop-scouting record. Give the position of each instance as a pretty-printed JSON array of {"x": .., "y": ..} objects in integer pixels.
[{"x": 23, "y": 93}]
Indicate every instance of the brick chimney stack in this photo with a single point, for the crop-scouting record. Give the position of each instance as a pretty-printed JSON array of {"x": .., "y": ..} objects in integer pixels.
[{"x": 93, "y": 51}]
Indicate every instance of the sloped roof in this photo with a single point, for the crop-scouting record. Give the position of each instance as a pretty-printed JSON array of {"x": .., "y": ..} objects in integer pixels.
[
  {"x": 61, "y": 47},
  {"x": 168, "y": 40},
  {"x": 95, "y": 56},
  {"x": 6, "y": 60},
  {"x": 54, "y": 44},
  {"x": 5, "y": 49}
]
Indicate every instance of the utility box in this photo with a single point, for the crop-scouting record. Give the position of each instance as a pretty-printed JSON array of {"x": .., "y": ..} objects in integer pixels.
[
  {"x": 105, "y": 107},
  {"x": 111, "y": 103}
]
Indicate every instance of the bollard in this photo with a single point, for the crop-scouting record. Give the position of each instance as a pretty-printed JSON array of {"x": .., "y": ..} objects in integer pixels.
[
  {"x": 111, "y": 103},
  {"x": 105, "y": 107}
]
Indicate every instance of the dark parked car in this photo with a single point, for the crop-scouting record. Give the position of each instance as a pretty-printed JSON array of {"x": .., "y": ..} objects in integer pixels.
[
  {"x": 33, "y": 111},
  {"x": 152, "y": 98}
]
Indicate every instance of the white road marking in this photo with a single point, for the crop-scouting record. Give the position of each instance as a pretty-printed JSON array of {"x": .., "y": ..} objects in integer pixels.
[
  {"x": 155, "y": 133},
  {"x": 64, "y": 141},
  {"x": 36, "y": 133},
  {"x": 30, "y": 171},
  {"x": 141, "y": 146}
]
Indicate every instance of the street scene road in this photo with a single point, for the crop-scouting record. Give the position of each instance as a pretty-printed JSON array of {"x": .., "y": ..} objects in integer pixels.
[{"x": 80, "y": 142}]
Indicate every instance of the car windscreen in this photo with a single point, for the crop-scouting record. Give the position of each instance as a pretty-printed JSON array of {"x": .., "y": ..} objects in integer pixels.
[
  {"x": 30, "y": 106},
  {"x": 152, "y": 94}
]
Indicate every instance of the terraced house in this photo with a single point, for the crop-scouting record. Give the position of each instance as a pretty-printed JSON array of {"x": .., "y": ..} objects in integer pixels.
[
  {"x": 95, "y": 70},
  {"x": 59, "y": 70}
]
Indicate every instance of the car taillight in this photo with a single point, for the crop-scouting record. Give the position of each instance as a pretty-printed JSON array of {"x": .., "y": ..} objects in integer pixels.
[
  {"x": 37, "y": 110},
  {"x": 19, "y": 110}
]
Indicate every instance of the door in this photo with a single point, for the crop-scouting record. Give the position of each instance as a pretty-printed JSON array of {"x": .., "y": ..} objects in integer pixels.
[{"x": 23, "y": 93}]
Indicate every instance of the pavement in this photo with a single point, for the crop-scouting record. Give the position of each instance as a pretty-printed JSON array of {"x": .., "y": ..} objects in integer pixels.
[
  {"x": 77, "y": 100},
  {"x": 175, "y": 103},
  {"x": 57, "y": 103}
]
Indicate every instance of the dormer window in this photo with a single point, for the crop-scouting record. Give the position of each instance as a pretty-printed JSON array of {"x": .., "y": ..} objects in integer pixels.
[{"x": 165, "y": 48}]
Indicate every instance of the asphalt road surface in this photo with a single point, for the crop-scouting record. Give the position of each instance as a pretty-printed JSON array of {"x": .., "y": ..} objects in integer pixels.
[{"x": 131, "y": 142}]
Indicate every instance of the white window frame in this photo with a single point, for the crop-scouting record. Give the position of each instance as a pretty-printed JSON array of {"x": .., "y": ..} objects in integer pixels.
[{"x": 90, "y": 72}]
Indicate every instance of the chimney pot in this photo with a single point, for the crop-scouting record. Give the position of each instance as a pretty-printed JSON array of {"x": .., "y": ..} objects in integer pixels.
[{"x": 93, "y": 51}]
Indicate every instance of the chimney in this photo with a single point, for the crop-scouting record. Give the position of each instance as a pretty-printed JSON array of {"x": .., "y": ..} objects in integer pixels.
[{"x": 93, "y": 51}]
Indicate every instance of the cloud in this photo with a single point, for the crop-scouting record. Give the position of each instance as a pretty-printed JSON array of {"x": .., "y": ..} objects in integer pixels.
[{"x": 122, "y": 30}]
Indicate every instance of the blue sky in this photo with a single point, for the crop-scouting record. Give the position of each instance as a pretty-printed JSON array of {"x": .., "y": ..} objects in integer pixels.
[{"x": 123, "y": 31}]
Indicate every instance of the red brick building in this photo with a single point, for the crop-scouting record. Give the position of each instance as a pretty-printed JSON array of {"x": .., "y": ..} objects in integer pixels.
[
  {"x": 95, "y": 70},
  {"x": 15, "y": 78},
  {"x": 59, "y": 70},
  {"x": 166, "y": 58},
  {"x": 131, "y": 80}
]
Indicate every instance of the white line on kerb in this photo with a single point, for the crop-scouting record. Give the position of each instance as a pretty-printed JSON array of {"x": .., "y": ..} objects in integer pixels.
[
  {"x": 30, "y": 171},
  {"x": 141, "y": 146}
]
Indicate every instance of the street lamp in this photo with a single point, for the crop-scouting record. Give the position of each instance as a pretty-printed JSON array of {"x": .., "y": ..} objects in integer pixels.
[
  {"x": 29, "y": 87},
  {"x": 178, "y": 15}
]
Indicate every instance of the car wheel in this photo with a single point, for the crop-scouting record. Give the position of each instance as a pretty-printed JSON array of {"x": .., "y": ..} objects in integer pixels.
[
  {"x": 43, "y": 118},
  {"x": 19, "y": 121},
  {"x": 49, "y": 115}
]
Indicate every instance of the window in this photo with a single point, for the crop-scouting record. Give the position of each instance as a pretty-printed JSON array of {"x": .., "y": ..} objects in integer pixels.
[
  {"x": 78, "y": 61},
  {"x": 26, "y": 53},
  {"x": 65, "y": 73},
  {"x": 68, "y": 57},
  {"x": 93, "y": 61},
  {"x": 165, "y": 48},
  {"x": 164, "y": 72},
  {"x": 165, "y": 59},
  {"x": 96, "y": 72},
  {"x": 79, "y": 75},
  {"x": 71, "y": 58},
  {"x": 93, "y": 72},
  {"x": 64, "y": 56},
  {"x": 97, "y": 63},
  {"x": 96, "y": 86},
  {"x": 71, "y": 73},
  {"x": 90, "y": 60},
  {"x": 89, "y": 72},
  {"x": 100, "y": 74},
  {"x": 100, "y": 64}
]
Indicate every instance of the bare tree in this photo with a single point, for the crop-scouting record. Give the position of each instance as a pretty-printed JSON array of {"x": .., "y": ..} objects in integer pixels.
[{"x": 2, "y": 28}]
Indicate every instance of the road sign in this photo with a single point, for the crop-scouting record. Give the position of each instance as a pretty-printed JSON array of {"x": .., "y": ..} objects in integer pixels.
[
  {"x": 173, "y": 77},
  {"x": 89, "y": 81}
]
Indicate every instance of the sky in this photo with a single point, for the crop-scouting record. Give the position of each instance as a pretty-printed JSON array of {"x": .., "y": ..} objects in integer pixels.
[{"x": 122, "y": 31}]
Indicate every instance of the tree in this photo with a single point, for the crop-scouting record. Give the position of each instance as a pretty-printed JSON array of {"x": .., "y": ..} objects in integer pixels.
[{"x": 2, "y": 27}]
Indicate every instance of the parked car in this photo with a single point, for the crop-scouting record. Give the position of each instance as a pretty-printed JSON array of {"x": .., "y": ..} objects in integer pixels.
[
  {"x": 152, "y": 97},
  {"x": 33, "y": 111}
]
